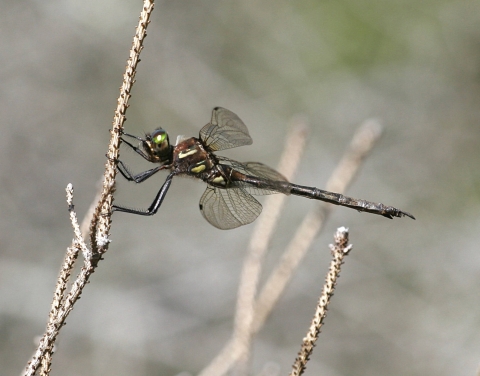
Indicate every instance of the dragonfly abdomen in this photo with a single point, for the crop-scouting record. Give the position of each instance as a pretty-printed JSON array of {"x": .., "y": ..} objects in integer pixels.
[
  {"x": 262, "y": 186},
  {"x": 349, "y": 202}
]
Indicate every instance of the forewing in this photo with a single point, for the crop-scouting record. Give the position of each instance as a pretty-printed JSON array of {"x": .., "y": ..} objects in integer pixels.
[
  {"x": 225, "y": 131},
  {"x": 229, "y": 208}
]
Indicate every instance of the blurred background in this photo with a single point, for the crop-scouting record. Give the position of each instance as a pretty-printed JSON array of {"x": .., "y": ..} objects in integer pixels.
[{"x": 163, "y": 300}]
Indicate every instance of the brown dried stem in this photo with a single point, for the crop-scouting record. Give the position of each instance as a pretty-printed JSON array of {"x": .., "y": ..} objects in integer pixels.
[
  {"x": 100, "y": 225},
  {"x": 339, "y": 250},
  {"x": 262, "y": 233},
  {"x": 63, "y": 277},
  {"x": 240, "y": 343},
  {"x": 362, "y": 143},
  {"x": 87, "y": 219},
  {"x": 101, "y": 219}
]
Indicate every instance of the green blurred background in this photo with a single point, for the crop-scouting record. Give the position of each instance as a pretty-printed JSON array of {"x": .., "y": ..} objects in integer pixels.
[{"x": 162, "y": 302}]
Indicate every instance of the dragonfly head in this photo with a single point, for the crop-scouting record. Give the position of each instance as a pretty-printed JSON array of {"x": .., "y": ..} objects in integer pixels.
[{"x": 157, "y": 145}]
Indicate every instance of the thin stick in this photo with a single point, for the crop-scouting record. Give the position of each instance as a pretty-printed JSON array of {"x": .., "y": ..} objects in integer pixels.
[
  {"x": 339, "y": 250},
  {"x": 362, "y": 143},
  {"x": 101, "y": 220},
  {"x": 78, "y": 243},
  {"x": 100, "y": 225},
  {"x": 87, "y": 219},
  {"x": 44, "y": 351},
  {"x": 262, "y": 233}
]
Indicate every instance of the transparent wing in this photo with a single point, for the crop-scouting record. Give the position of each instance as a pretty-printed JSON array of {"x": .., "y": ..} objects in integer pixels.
[
  {"x": 263, "y": 171},
  {"x": 229, "y": 208},
  {"x": 225, "y": 131},
  {"x": 259, "y": 170}
]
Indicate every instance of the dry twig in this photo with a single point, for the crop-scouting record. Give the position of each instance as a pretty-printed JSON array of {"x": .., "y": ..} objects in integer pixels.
[
  {"x": 262, "y": 233},
  {"x": 340, "y": 249},
  {"x": 101, "y": 220},
  {"x": 362, "y": 143}
]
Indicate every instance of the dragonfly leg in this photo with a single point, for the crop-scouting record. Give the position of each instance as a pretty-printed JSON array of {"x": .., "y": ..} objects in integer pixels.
[
  {"x": 137, "y": 178},
  {"x": 136, "y": 149},
  {"x": 153, "y": 208}
]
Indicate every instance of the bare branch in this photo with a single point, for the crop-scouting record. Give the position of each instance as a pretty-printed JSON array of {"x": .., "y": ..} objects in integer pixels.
[
  {"x": 45, "y": 348},
  {"x": 63, "y": 277},
  {"x": 361, "y": 145},
  {"x": 87, "y": 219},
  {"x": 101, "y": 218},
  {"x": 339, "y": 250},
  {"x": 262, "y": 233}
]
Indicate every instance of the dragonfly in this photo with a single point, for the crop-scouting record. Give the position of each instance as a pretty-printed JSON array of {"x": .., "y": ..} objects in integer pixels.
[{"x": 227, "y": 202}]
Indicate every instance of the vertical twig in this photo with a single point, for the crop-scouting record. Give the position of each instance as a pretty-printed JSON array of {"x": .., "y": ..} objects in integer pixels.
[
  {"x": 101, "y": 219},
  {"x": 100, "y": 225},
  {"x": 339, "y": 250},
  {"x": 87, "y": 219}
]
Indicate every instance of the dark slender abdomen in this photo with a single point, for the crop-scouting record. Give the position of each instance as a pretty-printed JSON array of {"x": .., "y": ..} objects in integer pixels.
[{"x": 330, "y": 197}]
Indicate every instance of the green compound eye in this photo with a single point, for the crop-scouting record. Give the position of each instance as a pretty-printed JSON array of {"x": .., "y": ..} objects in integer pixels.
[{"x": 159, "y": 136}]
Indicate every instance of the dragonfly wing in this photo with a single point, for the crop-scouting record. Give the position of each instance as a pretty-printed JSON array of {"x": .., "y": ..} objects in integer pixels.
[
  {"x": 263, "y": 171},
  {"x": 229, "y": 208},
  {"x": 225, "y": 131},
  {"x": 259, "y": 170}
]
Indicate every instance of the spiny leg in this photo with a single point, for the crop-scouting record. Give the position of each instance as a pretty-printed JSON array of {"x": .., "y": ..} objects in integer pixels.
[
  {"x": 136, "y": 149},
  {"x": 137, "y": 178},
  {"x": 153, "y": 208}
]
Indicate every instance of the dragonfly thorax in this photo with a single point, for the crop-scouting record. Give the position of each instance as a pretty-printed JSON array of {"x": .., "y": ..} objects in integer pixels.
[{"x": 191, "y": 158}]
